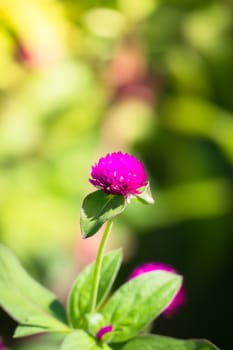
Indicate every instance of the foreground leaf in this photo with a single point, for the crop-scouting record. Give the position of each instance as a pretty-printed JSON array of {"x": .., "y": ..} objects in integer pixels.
[
  {"x": 156, "y": 342},
  {"x": 80, "y": 297},
  {"x": 25, "y": 330},
  {"x": 97, "y": 208},
  {"x": 26, "y": 300},
  {"x": 81, "y": 340},
  {"x": 43, "y": 342},
  {"x": 138, "y": 302}
]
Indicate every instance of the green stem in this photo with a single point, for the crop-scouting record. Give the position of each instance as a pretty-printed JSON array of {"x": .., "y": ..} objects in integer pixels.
[{"x": 98, "y": 264}]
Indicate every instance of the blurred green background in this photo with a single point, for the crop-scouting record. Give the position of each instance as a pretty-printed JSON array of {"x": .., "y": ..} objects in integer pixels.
[{"x": 153, "y": 78}]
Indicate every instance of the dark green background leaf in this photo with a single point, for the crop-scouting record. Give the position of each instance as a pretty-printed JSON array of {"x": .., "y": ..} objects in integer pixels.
[
  {"x": 80, "y": 297},
  {"x": 97, "y": 208},
  {"x": 138, "y": 302}
]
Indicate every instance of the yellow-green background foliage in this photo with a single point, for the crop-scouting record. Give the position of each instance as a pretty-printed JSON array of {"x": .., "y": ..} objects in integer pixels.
[{"x": 154, "y": 78}]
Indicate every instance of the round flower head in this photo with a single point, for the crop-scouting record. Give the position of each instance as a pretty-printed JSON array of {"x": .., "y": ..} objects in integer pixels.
[
  {"x": 119, "y": 174},
  {"x": 179, "y": 298}
]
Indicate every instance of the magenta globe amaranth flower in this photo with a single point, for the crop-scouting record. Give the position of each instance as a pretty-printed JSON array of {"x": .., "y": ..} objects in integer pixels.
[
  {"x": 119, "y": 174},
  {"x": 178, "y": 300}
]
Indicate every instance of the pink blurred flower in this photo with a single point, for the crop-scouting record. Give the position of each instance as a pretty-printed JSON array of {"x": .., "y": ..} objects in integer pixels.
[
  {"x": 119, "y": 174},
  {"x": 2, "y": 347},
  {"x": 34, "y": 57},
  {"x": 178, "y": 300}
]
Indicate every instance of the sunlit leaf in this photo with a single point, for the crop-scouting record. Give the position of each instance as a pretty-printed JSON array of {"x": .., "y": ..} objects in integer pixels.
[
  {"x": 80, "y": 297},
  {"x": 97, "y": 208},
  {"x": 80, "y": 340},
  {"x": 146, "y": 196},
  {"x": 134, "y": 305},
  {"x": 26, "y": 300},
  {"x": 155, "y": 342}
]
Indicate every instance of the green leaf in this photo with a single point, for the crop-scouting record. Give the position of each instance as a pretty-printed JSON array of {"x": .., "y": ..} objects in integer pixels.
[
  {"x": 80, "y": 340},
  {"x": 80, "y": 297},
  {"x": 43, "y": 342},
  {"x": 138, "y": 302},
  {"x": 25, "y": 330},
  {"x": 146, "y": 196},
  {"x": 97, "y": 208},
  {"x": 26, "y": 300},
  {"x": 156, "y": 342}
]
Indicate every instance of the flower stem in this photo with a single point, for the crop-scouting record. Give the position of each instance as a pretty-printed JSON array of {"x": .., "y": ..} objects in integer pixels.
[{"x": 98, "y": 264}]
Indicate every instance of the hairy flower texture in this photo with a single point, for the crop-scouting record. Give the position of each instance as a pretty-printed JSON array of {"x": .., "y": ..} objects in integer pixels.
[
  {"x": 119, "y": 174},
  {"x": 103, "y": 331},
  {"x": 179, "y": 298}
]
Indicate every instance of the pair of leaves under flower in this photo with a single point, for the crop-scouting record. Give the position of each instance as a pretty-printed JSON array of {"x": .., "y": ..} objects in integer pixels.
[
  {"x": 128, "y": 310},
  {"x": 133, "y": 306},
  {"x": 99, "y": 207}
]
